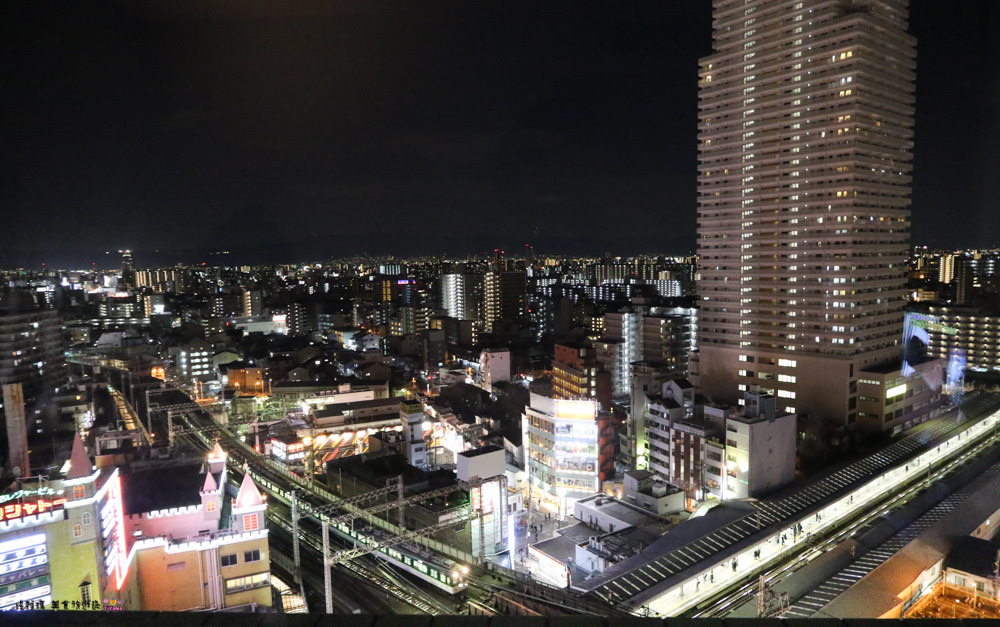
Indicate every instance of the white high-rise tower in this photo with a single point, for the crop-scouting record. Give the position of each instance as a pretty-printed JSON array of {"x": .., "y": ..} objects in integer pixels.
[{"x": 806, "y": 128}]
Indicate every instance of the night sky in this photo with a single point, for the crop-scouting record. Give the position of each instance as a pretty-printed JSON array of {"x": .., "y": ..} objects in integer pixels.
[{"x": 289, "y": 131}]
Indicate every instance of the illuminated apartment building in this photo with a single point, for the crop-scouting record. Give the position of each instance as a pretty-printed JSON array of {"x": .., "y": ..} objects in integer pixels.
[
  {"x": 505, "y": 297},
  {"x": 194, "y": 360},
  {"x": 576, "y": 373},
  {"x": 31, "y": 350},
  {"x": 453, "y": 295},
  {"x": 806, "y": 128}
]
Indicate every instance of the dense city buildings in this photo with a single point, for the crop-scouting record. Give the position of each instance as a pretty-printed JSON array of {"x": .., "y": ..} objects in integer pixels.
[
  {"x": 806, "y": 127},
  {"x": 537, "y": 433}
]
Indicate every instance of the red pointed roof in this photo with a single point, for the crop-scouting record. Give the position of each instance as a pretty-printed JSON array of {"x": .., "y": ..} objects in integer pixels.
[
  {"x": 210, "y": 485},
  {"x": 79, "y": 462},
  {"x": 249, "y": 495}
]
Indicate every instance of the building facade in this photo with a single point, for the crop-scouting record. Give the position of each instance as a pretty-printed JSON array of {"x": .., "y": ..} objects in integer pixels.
[
  {"x": 806, "y": 116},
  {"x": 562, "y": 445},
  {"x": 135, "y": 538}
]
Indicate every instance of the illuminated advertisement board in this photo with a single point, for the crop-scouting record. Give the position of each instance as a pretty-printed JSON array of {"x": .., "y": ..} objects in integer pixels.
[
  {"x": 576, "y": 410},
  {"x": 113, "y": 533},
  {"x": 24, "y": 571},
  {"x": 17, "y": 511}
]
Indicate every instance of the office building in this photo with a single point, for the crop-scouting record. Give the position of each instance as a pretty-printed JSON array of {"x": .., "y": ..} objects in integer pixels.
[
  {"x": 561, "y": 438},
  {"x": 806, "y": 127}
]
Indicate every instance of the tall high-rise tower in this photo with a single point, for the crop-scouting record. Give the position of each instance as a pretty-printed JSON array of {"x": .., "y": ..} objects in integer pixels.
[
  {"x": 128, "y": 271},
  {"x": 806, "y": 116}
]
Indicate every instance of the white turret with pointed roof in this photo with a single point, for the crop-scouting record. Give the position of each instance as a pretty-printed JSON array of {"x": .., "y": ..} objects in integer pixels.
[
  {"x": 211, "y": 499},
  {"x": 79, "y": 461},
  {"x": 248, "y": 507},
  {"x": 216, "y": 459},
  {"x": 249, "y": 495},
  {"x": 210, "y": 485}
]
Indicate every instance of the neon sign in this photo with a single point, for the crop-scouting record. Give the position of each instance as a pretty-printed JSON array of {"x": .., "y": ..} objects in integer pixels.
[
  {"x": 43, "y": 491},
  {"x": 113, "y": 533},
  {"x": 17, "y": 511}
]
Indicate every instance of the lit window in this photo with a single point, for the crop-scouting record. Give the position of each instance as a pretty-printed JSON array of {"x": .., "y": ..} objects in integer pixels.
[
  {"x": 210, "y": 506},
  {"x": 78, "y": 492},
  {"x": 250, "y": 523},
  {"x": 245, "y": 583},
  {"x": 77, "y": 530}
]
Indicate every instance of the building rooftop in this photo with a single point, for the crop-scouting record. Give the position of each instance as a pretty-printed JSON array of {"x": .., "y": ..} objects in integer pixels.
[
  {"x": 164, "y": 485},
  {"x": 973, "y": 555},
  {"x": 476, "y": 452},
  {"x": 628, "y": 514}
]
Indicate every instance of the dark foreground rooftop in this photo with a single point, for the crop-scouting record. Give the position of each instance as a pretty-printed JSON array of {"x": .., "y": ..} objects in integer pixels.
[{"x": 222, "y": 619}]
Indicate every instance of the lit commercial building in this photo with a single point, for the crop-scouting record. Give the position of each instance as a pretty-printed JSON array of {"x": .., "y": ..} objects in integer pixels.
[
  {"x": 901, "y": 395},
  {"x": 191, "y": 549},
  {"x": 145, "y": 537},
  {"x": 806, "y": 116},
  {"x": 492, "y": 536},
  {"x": 415, "y": 424},
  {"x": 561, "y": 439}
]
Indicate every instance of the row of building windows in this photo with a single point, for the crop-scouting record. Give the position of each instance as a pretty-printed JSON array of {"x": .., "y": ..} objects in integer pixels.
[{"x": 231, "y": 559}]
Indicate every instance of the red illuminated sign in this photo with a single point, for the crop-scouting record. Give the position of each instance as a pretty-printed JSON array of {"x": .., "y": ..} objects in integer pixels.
[{"x": 16, "y": 511}]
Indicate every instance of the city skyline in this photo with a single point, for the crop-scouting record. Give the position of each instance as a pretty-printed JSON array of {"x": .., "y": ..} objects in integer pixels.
[
  {"x": 496, "y": 310},
  {"x": 276, "y": 133}
]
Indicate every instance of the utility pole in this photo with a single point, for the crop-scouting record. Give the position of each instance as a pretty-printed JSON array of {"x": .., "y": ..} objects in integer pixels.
[
  {"x": 401, "y": 514},
  {"x": 295, "y": 538},
  {"x": 327, "y": 584},
  {"x": 770, "y": 604},
  {"x": 996, "y": 577}
]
